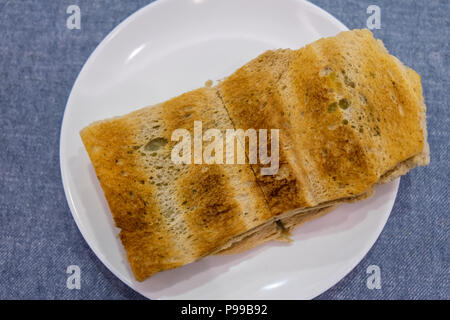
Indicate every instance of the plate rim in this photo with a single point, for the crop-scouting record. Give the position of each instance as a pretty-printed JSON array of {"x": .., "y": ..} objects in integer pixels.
[{"x": 68, "y": 195}]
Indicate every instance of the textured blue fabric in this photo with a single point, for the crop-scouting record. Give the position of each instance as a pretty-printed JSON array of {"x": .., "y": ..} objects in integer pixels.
[{"x": 39, "y": 61}]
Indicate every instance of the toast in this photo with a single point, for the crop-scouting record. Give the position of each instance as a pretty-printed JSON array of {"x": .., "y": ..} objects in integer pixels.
[
  {"x": 350, "y": 116},
  {"x": 170, "y": 215},
  {"x": 348, "y": 112},
  {"x": 271, "y": 80}
]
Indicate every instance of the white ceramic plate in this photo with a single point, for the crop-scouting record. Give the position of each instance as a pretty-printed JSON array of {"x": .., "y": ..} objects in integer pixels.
[{"x": 170, "y": 47}]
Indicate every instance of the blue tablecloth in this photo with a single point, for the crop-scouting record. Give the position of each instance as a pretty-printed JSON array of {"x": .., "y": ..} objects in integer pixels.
[{"x": 39, "y": 62}]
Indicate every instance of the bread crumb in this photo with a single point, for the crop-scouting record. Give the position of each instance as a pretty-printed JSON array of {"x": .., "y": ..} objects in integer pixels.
[{"x": 209, "y": 83}]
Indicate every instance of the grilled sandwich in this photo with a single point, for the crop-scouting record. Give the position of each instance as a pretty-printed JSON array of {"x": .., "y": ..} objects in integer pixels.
[{"x": 350, "y": 116}]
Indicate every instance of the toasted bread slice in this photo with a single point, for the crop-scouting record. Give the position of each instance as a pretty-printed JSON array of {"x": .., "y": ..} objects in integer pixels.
[
  {"x": 348, "y": 113},
  {"x": 171, "y": 215},
  {"x": 271, "y": 80},
  {"x": 350, "y": 117}
]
